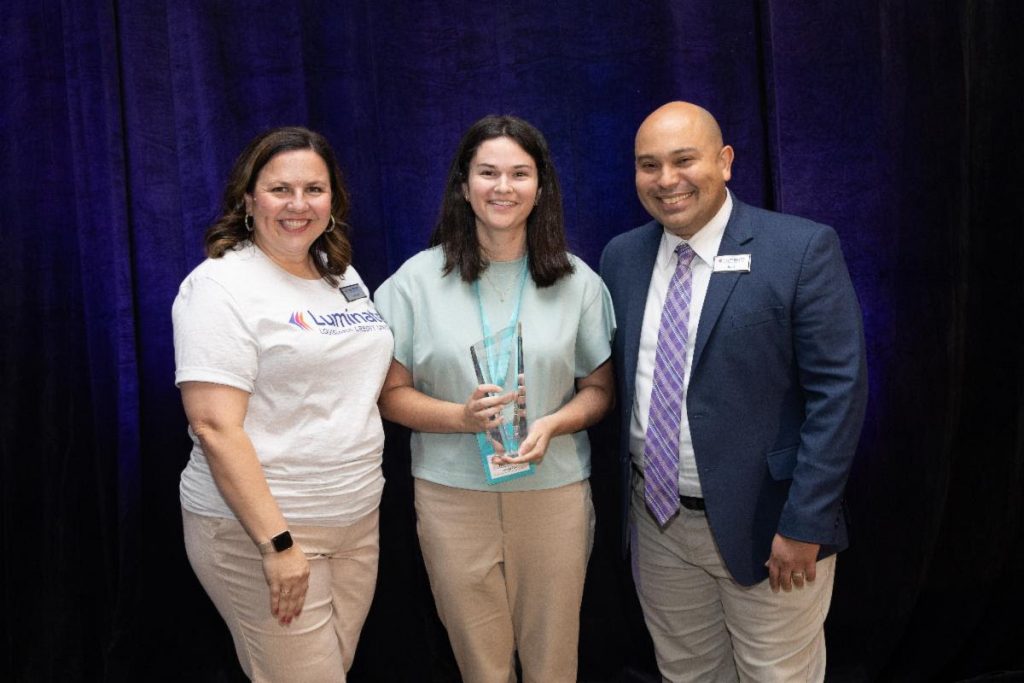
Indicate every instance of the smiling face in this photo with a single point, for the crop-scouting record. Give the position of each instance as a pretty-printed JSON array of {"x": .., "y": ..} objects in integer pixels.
[
  {"x": 290, "y": 207},
  {"x": 681, "y": 167},
  {"x": 501, "y": 187}
]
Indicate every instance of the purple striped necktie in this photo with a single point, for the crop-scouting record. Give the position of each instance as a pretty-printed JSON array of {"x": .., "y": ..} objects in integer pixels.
[{"x": 661, "y": 446}]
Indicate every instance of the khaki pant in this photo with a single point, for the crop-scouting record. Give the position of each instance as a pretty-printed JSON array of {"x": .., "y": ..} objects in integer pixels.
[
  {"x": 507, "y": 572},
  {"x": 707, "y": 627},
  {"x": 319, "y": 644}
]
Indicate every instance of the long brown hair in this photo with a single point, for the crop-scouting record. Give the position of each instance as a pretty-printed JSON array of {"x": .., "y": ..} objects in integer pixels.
[
  {"x": 545, "y": 227},
  {"x": 331, "y": 252}
]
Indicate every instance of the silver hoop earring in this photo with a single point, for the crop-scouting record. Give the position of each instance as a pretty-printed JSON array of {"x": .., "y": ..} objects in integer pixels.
[
  {"x": 248, "y": 222},
  {"x": 331, "y": 227}
]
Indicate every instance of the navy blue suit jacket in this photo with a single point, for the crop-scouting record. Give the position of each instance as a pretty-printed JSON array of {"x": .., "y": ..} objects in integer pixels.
[{"x": 778, "y": 387}]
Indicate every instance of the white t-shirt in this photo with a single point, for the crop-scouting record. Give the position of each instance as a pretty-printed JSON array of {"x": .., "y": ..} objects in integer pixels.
[{"x": 313, "y": 357}]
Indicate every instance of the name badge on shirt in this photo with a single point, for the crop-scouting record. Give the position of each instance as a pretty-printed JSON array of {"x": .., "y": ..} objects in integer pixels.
[
  {"x": 732, "y": 263},
  {"x": 353, "y": 292}
]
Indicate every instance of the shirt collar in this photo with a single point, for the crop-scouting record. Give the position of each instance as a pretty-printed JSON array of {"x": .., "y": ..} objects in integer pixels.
[{"x": 705, "y": 242}]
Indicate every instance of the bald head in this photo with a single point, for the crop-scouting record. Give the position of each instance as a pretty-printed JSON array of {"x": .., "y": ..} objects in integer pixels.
[
  {"x": 682, "y": 167},
  {"x": 682, "y": 115}
]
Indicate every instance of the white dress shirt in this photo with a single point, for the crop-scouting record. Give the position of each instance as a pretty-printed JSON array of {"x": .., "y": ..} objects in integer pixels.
[{"x": 705, "y": 243}]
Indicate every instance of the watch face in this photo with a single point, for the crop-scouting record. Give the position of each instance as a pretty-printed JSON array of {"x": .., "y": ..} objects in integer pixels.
[{"x": 282, "y": 541}]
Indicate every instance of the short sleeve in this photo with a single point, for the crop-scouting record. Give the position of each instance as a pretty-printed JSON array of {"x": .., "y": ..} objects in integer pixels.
[
  {"x": 212, "y": 343},
  {"x": 395, "y": 307},
  {"x": 596, "y": 328}
]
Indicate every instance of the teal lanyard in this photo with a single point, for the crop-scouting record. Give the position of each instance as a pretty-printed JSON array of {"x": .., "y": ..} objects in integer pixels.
[{"x": 498, "y": 368}]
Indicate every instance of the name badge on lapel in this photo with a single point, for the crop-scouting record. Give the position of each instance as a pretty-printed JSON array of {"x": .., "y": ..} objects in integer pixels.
[{"x": 732, "y": 263}]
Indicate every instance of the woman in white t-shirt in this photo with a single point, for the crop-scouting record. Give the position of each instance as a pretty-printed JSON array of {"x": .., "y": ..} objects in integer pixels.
[
  {"x": 506, "y": 528},
  {"x": 280, "y": 358}
]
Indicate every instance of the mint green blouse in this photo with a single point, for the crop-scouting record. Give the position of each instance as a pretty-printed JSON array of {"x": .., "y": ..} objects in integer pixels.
[{"x": 567, "y": 332}]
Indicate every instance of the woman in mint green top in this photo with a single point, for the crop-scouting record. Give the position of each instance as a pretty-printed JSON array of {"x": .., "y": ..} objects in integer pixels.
[{"x": 505, "y": 534}]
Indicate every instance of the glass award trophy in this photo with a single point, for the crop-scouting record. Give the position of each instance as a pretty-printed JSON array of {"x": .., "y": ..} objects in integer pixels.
[{"x": 498, "y": 360}]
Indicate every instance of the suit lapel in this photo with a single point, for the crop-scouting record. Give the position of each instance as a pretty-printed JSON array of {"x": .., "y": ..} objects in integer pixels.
[
  {"x": 647, "y": 252},
  {"x": 734, "y": 241}
]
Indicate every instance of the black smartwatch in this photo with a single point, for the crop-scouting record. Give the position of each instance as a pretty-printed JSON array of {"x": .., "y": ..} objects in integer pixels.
[{"x": 278, "y": 544}]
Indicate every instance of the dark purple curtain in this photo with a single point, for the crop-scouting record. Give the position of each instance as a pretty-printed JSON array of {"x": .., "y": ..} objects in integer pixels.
[{"x": 900, "y": 123}]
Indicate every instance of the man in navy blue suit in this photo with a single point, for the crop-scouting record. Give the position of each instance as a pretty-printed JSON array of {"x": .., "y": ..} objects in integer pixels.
[{"x": 742, "y": 388}]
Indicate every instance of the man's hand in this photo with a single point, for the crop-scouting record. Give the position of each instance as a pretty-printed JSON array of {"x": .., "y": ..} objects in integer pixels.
[{"x": 792, "y": 563}]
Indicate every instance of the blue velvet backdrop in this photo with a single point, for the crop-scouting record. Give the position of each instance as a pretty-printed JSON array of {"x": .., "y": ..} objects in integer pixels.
[{"x": 896, "y": 122}]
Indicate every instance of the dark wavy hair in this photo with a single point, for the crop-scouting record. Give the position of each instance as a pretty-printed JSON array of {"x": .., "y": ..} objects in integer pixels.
[
  {"x": 331, "y": 252},
  {"x": 455, "y": 230}
]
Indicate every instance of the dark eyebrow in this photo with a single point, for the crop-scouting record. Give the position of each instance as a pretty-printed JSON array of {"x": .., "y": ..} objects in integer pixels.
[
  {"x": 681, "y": 150},
  {"x": 484, "y": 163},
  {"x": 274, "y": 182}
]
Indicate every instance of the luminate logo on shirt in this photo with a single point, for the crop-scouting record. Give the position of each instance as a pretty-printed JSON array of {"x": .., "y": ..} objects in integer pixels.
[
  {"x": 338, "y": 323},
  {"x": 299, "y": 321}
]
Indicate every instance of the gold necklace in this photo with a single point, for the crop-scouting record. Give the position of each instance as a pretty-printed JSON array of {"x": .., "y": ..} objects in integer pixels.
[{"x": 501, "y": 291}]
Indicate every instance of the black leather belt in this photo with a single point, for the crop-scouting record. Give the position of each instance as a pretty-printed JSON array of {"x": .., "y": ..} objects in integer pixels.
[
  {"x": 688, "y": 502},
  {"x": 691, "y": 503}
]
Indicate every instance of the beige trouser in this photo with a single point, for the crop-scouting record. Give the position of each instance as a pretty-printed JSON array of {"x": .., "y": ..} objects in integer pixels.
[
  {"x": 707, "y": 627},
  {"x": 319, "y": 644},
  {"x": 507, "y": 571}
]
